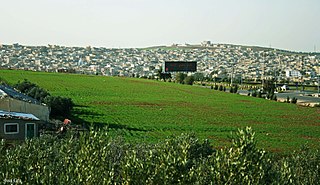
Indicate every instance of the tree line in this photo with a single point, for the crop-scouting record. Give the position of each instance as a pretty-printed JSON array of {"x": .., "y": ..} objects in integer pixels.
[{"x": 59, "y": 106}]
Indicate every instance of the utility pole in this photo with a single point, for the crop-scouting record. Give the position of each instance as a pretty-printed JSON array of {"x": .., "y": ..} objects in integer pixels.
[
  {"x": 302, "y": 69},
  {"x": 318, "y": 82}
]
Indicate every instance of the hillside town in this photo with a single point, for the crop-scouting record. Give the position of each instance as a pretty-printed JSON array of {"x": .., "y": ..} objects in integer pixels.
[{"x": 219, "y": 61}]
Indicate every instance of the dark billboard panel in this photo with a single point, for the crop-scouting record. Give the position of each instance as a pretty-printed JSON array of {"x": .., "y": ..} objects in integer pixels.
[{"x": 180, "y": 66}]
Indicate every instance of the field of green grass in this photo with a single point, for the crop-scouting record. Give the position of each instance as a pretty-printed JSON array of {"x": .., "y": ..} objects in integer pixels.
[{"x": 146, "y": 110}]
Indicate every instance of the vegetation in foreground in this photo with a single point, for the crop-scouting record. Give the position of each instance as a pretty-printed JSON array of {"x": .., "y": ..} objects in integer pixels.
[
  {"x": 149, "y": 111},
  {"x": 96, "y": 158}
]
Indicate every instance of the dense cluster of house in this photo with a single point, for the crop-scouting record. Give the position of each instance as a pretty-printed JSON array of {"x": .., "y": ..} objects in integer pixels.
[{"x": 213, "y": 60}]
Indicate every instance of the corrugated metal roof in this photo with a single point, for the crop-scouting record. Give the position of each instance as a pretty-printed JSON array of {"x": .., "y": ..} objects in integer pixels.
[
  {"x": 17, "y": 95},
  {"x": 17, "y": 115},
  {"x": 2, "y": 93}
]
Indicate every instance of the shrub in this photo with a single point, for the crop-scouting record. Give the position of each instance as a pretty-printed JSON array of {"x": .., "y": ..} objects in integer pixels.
[
  {"x": 294, "y": 100},
  {"x": 254, "y": 93},
  {"x": 288, "y": 99},
  {"x": 96, "y": 158},
  {"x": 259, "y": 94},
  {"x": 25, "y": 86},
  {"x": 234, "y": 89},
  {"x": 231, "y": 90},
  {"x": 38, "y": 93},
  {"x": 180, "y": 77},
  {"x": 216, "y": 87},
  {"x": 32, "y": 90},
  {"x": 60, "y": 106},
  {"x": 189, "y": 80}
]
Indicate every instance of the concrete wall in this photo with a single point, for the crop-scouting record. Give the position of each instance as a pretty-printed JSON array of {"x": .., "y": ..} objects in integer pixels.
[
  {"x": 22, "y": 125},
  {"x": 13, "y": 105}
]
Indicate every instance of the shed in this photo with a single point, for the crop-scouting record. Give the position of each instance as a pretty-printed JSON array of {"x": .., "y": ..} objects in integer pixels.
[
  {"x": 13, "y": 101},
  {"x": 18, "y": 126}
]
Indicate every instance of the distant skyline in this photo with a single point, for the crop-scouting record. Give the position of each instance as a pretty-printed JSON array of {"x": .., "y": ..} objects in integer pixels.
[{"x": 284, "y": 24}]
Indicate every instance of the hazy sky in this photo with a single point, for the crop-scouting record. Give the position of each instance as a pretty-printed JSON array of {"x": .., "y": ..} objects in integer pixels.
[{"x": 286, "y": 24}]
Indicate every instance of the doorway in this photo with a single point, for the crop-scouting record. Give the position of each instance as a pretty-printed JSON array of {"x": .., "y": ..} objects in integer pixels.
[{"x": 30, "y": 130}]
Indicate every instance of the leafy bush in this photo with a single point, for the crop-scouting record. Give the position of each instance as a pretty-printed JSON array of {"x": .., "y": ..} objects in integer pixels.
[
  {"x": 288, "y": 99},
  {"x": 231, "y": 90},
  {"x": 96, "y": 158},
  {"x": 25, "y": 86},
  {"x": 180, "y": 77},
  {"x": 216, "y": 87},
  {"x": 294, "y": 100},
  {"x": 259, "y": 94},
  {"x": 60, "y": 106},
  {"x": 234, "y": 89},
  {"x": 189, "y": 80},
  {"x": 254, "y": 93},
  {"x": 38, "y": 93}
]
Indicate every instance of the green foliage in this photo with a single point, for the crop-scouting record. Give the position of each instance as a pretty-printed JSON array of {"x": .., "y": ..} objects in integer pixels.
[
  {"x": 32, "y": 90},
  {"x": 216, "y": 87},
  {"x": 254, "y": 93},
  {"x": 180, "y": 77},
  {"x": 259, "y": 94},
  {"x": 97, "y": 158},
  {"x": 199, "y": 77},
  {"x": 163, "y": 76},
  {"x": 294, "y": 100},
  {"x": 60, "y": 106},
  {"x": 220, "y": 88},
  {"x": 288, "y": 99},
  {"x": 234, "y": 89},
  {"x": 38, "y": 93},
  {"x": 189, "y": 80},
  {"x": 25, "y": 86},
  {"x": 269, "y": 86},
  {"x": 231, "y": 89}
]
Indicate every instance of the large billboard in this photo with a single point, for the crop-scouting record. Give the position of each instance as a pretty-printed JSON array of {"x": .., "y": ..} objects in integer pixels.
[{"x": 180, "y": 66}]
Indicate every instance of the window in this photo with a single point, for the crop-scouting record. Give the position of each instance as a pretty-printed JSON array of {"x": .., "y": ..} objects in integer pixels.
[{"x": 11, "y": 128}]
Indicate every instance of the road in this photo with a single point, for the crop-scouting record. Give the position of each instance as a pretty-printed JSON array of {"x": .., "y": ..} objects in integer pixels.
[{"x": 301, "y": 96}]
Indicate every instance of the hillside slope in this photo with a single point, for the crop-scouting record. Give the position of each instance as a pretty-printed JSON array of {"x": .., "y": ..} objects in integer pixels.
[{"x": 150, "y": 110}]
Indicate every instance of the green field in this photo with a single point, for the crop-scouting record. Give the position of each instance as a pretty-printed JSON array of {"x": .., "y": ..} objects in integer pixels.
[{"x": 146, "y": 110}]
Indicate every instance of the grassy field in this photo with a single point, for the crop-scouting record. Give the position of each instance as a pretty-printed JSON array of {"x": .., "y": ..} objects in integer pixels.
[{"x": 146, "y": 110}]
